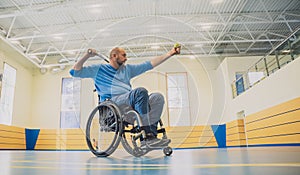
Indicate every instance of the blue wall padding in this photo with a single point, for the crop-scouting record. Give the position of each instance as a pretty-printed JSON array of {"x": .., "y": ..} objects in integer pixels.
[
  {"x": 220, "y": 134},
  {"x": 31, "y": 138}
]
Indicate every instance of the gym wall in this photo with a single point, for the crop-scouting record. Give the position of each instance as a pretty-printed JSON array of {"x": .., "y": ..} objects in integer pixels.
[
  {"x": 22, "y": 108},
  {"x": 279, "y": 87}
]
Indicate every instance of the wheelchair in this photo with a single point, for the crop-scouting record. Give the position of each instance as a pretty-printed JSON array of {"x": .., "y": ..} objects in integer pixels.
[{"x": 109, "y": 124}]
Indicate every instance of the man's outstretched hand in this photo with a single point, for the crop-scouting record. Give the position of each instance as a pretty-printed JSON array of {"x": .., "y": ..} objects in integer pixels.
[
  {"x": 91, "y": 52},
  {"x": 176, "y": 49}
]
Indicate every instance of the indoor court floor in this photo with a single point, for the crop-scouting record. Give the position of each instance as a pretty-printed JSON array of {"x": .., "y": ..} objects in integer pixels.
[{"x": 240, "y": 161}]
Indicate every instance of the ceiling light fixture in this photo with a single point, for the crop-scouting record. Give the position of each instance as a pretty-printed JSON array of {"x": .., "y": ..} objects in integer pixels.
[
  {"x": 192, "y": 57},
  {"x": 58, "y": 37},
  {"x": 216, "y": 1},
  {"x": 286, "y": 51},
  {"x": 43, "y": 70},
  {"x": 63, "y": 60},
  {"x": 155, "y": 47},
  {"x": 95, "y": 10},
  {"x": 205, "y": 26},
  {"x": 198, "y": 45}
]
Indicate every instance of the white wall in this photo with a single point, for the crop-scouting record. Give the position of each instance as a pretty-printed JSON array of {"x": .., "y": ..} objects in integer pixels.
[
  {"x": 46, "y": 100},
  {"x": 281, "y": 86},
  {"x": 23, "y": 89},
  {"x": 200, "y": 90},
  {"x": 89, "y": 100}
]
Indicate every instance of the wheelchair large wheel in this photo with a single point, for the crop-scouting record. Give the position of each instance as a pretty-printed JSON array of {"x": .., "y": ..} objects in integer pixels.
[{"x": 104, "y": 128}]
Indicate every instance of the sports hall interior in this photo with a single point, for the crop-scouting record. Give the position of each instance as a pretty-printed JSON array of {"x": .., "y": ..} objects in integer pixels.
[{"x": 232, "y": 95}]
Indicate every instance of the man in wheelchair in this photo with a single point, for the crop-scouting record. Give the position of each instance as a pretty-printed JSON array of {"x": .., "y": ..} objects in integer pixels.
[{"x": 112, "y": 81}]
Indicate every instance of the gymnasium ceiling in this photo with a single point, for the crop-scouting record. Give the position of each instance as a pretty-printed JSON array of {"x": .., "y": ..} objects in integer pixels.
[{"x": 55, "y": 33}]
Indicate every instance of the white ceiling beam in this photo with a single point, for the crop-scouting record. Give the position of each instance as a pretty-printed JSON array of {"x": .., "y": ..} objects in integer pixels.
[
  {"x": 266, "y": 10},
  {"x": 31, "y": 9},
  {"x": 269, "y": 41},
  {"x": 10, "y": 27},
  {"x": 10, "y": 15},
  {"x": 227, "y": 25},
  {"x": 195, "y": 43},
  {"x": 287, "y": 23},
  {"x": 287, "y": 38},
  {"x": 248, "y": 30},
  {"x": 96, "y": 30},
  {"x": 242, "y": 38},
  {"x": 38, "y": 29},
  {"x": 29, "y": 45},
  {"x": 276, "y": 34},
  {"x": 18, "y": 50},
  {"x": 234, "y": 44},
  {"x": 292, "y": 14},
  {"x": 141, "y": 57}
]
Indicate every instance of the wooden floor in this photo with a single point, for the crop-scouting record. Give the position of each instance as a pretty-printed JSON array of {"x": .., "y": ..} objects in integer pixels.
[{"x": 248, "y": 161}]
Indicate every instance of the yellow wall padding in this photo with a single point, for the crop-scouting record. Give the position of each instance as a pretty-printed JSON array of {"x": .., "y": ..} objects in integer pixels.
[
  {"x": 12, "y": 137},
  {"x": 279, "y": 124},
  {"x": 235, "y": 133},
  {"x": 61, "y": 139},
  {"x": 191, "y": 136}
]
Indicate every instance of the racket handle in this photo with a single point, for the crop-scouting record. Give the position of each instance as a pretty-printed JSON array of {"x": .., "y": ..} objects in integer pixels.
[{"x": 89, "y": 51}]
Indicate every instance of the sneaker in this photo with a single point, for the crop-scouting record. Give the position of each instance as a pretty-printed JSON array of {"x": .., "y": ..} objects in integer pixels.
[
  {"x": 153, "y": 141},
  {"x": 166, "y": 142}
]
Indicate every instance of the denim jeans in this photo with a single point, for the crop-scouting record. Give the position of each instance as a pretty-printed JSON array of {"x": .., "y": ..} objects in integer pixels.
[{"x": 148, "y": 106}]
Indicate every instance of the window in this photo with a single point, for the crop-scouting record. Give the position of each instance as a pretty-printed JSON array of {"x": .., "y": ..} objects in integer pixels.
[
  {"x": 70, "y": 103},
  {"x": 8, "y": 82},
  {"x": 239, "y": 83},
  {"x": 255, "y": 77},
  {"x": 178, "y": 100}
]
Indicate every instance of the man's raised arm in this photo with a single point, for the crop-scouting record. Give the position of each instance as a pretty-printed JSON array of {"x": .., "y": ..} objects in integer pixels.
[
  {"x": 160, "y": 59},
  {"x": 79, "y": 64}
]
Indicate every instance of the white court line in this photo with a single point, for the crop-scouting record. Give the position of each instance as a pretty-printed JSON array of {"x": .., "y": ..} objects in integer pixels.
[{"x": 151, "y": 166}]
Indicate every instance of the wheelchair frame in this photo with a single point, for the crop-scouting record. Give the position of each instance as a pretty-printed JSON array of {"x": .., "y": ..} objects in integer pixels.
[{"x": 108, "y": 121}]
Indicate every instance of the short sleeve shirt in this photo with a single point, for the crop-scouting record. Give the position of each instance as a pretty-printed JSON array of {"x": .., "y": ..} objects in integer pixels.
[{"x": 110, "y": 82}]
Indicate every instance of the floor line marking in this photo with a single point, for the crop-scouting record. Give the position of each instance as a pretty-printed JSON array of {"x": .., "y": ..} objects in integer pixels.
[{"x": 162, "y": 166}]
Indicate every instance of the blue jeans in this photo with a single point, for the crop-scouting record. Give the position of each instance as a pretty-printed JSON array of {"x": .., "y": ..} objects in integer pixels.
[{"x": 148, "y": 106}]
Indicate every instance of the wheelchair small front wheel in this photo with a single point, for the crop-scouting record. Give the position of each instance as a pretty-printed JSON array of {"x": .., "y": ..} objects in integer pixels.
[
  {"x": 103, "y": 129},
  {"x": 167, "y": 151}
]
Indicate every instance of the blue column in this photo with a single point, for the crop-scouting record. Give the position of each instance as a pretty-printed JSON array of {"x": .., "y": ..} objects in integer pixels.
[
  {"x": 220, "y": 134},
  {"x": 31, "y": 138}
]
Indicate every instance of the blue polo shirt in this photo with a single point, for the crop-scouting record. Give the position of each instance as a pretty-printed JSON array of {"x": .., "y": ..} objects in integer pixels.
[{"x": 110, "y": 82}]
